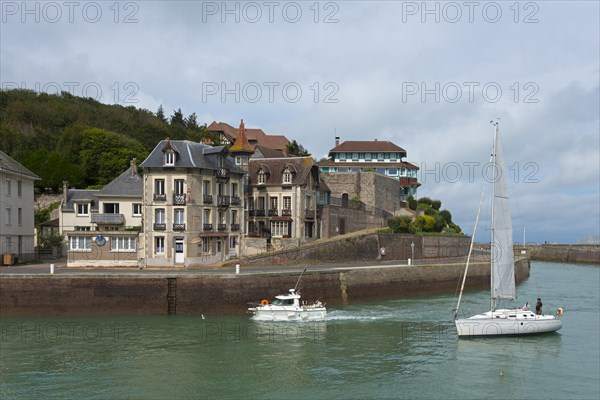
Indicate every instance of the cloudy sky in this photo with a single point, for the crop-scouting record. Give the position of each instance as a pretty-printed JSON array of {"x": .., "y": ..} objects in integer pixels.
[{"x": 428, "y": 76}]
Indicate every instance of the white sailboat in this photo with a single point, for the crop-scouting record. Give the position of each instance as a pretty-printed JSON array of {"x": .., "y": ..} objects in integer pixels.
[{"x": 517, "y": 321}]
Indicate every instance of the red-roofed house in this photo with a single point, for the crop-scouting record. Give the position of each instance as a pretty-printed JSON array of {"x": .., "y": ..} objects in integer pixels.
[{"x": 256, "y": 137}]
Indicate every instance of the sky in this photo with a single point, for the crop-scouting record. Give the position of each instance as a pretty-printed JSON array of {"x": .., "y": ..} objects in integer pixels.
[{"x": 428, "y": 76}]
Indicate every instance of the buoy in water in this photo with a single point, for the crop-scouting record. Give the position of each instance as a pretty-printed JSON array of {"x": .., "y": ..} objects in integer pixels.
[{"x": 559, "y": 311}]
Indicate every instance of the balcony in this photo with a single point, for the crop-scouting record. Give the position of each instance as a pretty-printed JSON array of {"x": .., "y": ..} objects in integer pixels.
[
  {"x": 223, "y": 201},
  {"x": 222, "y": 173},
  {"x": 252, "y": 213},
  {"x": 207, "y": 227},
  {"x": 222, "y": 227},
  {"x": 235, "y": 201},
  {"x": 207, "y": 199},
  {"x": 108, "y": 219},
  {"x": 179, "y": 199},
  {"x": 235, "y": 227},
  {"x": 160, "y": 197},
  {"x": 159, "y": 227},
  {"x": 179, "y": 227},
  {"x": 260, "y": 213},
  {"x": 309, "y": 214},
  {"x": 273, "y": 213},
  {"x": 286, "y": 213}
]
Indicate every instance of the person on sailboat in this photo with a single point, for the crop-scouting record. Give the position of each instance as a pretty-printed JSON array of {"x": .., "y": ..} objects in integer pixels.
[{"x": 538, "y": 306}]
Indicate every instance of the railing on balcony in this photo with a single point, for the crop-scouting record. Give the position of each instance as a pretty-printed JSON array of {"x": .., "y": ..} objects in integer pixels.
[
  {"x": 179, "y": 227},
  {"x": 222, "y": 227},
  {"x": 273, "y": 212},
  {"x": 252, "y": 213},
  {"x": 309, "y": 214},
  {"x": 260, "y": 213},
  {"x": 235, "y": 227},
  {"x": 179, "y": 199},
  {"x": 222, "y": 173},
  {"x": 160, "y": 197},
  {"x": 207, "y": 199},
  {"x": 235, "y": 201},
  {"x": 207, "y": 227},
  {"x": 223, "y": 201},
  {"x": 286, "y": 213},
  {"x": 108, "y": 219},
  {"x": 160, "y": 227}
]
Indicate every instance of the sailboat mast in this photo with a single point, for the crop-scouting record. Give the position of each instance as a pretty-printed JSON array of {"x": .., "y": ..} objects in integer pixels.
[{"x": 492, "y": 251}]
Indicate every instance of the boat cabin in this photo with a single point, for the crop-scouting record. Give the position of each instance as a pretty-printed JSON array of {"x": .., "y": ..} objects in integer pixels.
[{"x": 291, "y": 299}]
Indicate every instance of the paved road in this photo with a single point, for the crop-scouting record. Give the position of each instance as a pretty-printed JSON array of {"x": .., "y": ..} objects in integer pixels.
[{"x": 61, "y": 269}]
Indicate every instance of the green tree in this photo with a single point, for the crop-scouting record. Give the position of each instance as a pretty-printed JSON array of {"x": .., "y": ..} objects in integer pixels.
[
  {"x": 436, "y": 204},
  {"x": 296, "y": 149},
  {"x": 446, "y": 215},
  {"x": 412, "y": 203},
  {"x": 191, "y": 122},
  {"x": 177, "y": 119},
  {"x": 160, "y": 114}
]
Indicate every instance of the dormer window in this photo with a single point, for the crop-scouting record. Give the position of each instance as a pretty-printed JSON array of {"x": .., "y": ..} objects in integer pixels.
[
  {"x": 287, "y": 177},
  {"x": 262, "y": 177},
  {"x": 170, "y": 158}
]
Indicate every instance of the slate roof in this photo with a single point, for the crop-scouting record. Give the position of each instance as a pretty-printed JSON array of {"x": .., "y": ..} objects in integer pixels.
[
  {"x": 189, "y": 155},
  {"x": 300, "y": 167},
  {"x": 9, "y": 165},
  {"x": 127, "y": 184},
  {"x": 371, "y": 146},
  {"x": 81, "y": 196},
  {"x": 266, "y": 152}
]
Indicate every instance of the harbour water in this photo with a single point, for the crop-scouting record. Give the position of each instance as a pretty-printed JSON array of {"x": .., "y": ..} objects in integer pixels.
[{"x": 405, "y": 348}]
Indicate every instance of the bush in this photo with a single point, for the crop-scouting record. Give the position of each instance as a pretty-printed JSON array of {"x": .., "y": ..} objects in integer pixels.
[
  {"x": 447, "y": 216},
  {"x": 425, "y": 200},
  {"x": 423, "y": 223},
  {"x": 400, "y": 224},
  {"x": 436, "y": 204},
  {"x": 412, "y": 203},
  {"x": 51, "y": 240}
]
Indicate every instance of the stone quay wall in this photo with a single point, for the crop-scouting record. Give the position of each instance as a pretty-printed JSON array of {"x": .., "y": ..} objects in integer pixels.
[{"x": 56, "y": 295}]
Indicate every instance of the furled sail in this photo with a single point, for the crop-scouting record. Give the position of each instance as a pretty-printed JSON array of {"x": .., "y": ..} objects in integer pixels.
[{"x": 503, "y": 269}]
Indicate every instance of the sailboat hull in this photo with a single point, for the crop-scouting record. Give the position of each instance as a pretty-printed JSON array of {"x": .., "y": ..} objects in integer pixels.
[{"x": 507, "y": 322}]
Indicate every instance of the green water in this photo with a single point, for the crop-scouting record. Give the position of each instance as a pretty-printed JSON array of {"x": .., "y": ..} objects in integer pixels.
[{"x": 405, "y": 348}]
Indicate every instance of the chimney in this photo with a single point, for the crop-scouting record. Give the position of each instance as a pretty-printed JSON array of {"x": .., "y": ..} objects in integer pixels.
[
  {"x": 133, "y": 166},
  {"x": 65, "y": 191},
  {"x": 337, "y": 141}
]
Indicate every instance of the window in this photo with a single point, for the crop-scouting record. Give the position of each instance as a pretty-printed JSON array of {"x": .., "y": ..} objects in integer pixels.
[
  {"x": 250, "y": 203},
  {"x": 287, "y": 177},
  {"x": 354, "y": 156},
  {"x": 368, "y": 156},
  {"x": 179, "y": 216},
  {"x": 392, "y": 171},
  {"x": 234, "y": 216},
  {"x": 82, "y": 228},
  {"x": 179, "y": 186},
  {"x": 122, "y": 243},
  {"x": 20, "y": 216},
  {"x": 19, "y": 189},
  {"x": 279, "y": 228},
  {"x": 7, "y": 214},
  {"x": 274, "y": 201},
  {"x": 309, "y": 203},
  {"x": 170, "y": 158},
  {"x": 111, "y": 208},
  {"x": 261, "y": 203},
  {"x": 287, "y": 203},
  {"x": 394, "y": 156},
  {"x": 262, "y": 177},
  {"x": 207, "y": 216},
  {"x": 220, "y": 190},
  {"x": 8, "y": 186},
  {"x": 159, "y": 245},
  {"x": 83, "y": 209},
  {"x": 238, "y": 160},
  {"x": 159, "y": 186},
  {"x": 206, "y": 187},
  {"x": 379, "y": 156},
  {"x": 221, "y": 217},
  {"x": 80, "y": 243},
  {"x": 137, "y": 209},
  {"x": 342, "y": 156},
  {"x": 205, "y": 245},
  {"x": 386, "y": 156},
  {"x": 234, "y": 189},
  {"x": 159, "y": 216}
]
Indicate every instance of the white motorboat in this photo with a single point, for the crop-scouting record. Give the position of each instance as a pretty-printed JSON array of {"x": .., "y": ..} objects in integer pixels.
[
  {"x": 517, "y": 321},
  {"x": 288, "y": 307}
]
